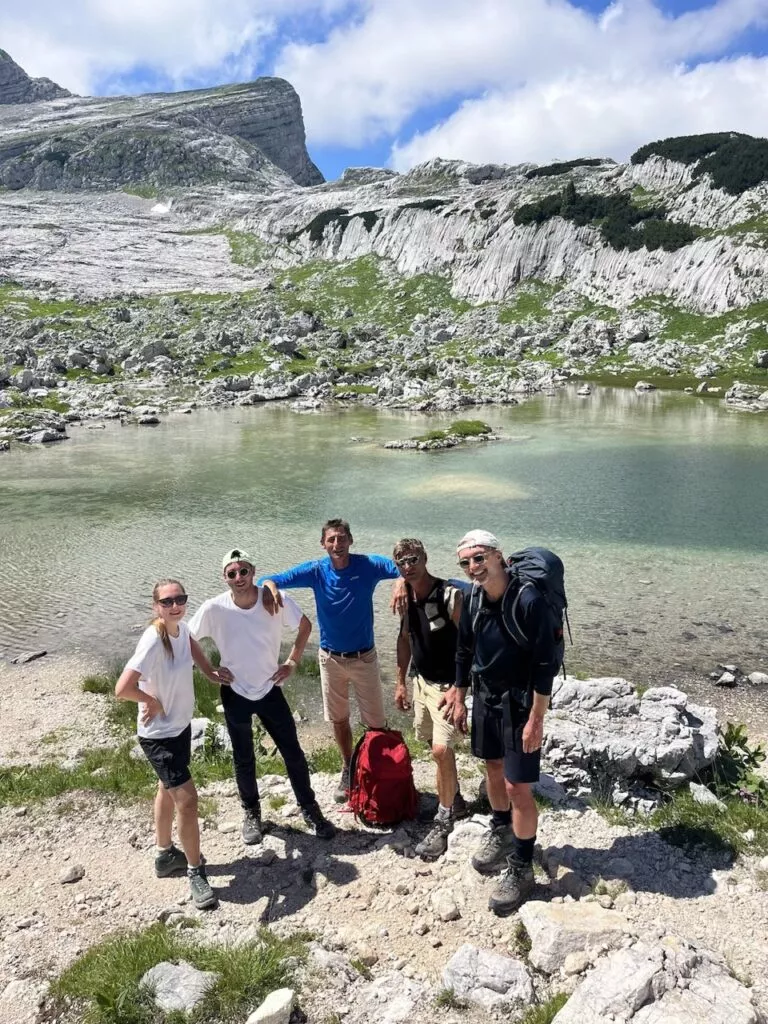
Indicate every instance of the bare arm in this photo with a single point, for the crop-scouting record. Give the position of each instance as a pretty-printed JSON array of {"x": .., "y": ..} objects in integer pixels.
[
  {"x": 219, "y": 675},
  {"x": 403, "y": 661},
  {"x": 127, "y": 688},
  {"x": 297, "y": 651}
]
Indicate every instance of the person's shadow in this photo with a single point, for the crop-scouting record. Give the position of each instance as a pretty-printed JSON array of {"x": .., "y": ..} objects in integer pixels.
[{"x": 284, "y": 883}]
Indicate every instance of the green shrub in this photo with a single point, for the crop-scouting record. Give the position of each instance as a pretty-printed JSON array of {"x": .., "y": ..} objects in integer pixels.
[
  {"x": 545, "y": 1012},
  {"x": 736, "y": 162},
  {"x": 562, "y": 167},
  {"x": 469, "y": 428}
]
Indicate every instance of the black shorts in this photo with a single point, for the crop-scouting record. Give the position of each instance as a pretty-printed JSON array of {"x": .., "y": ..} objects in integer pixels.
[
  {"x": 498, "y": 721},
  {"x": 170, "y": 757}
]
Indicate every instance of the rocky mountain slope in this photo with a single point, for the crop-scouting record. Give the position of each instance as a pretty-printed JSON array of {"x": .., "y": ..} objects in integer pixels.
[
  {"x": 17, "y": 87},
  {"x": 248, "y": 278}
]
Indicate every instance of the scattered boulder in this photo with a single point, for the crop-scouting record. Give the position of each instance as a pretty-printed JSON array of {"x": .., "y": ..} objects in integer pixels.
[
  {"x": 488, "y": 979},
  {"x": 276, "y": 1008},
  {"x": 557, "y": 929}
]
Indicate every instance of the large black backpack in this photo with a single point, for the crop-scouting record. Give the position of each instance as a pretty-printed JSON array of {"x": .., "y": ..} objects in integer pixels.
[{"x": 539, "y": 568}]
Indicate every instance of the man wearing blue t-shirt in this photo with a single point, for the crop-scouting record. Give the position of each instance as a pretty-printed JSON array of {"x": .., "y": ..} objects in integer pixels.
[{"x": 343, "y": 585}]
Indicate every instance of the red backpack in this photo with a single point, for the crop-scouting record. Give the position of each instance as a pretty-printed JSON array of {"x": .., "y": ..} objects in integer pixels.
[{"x": 381, "y": 789}]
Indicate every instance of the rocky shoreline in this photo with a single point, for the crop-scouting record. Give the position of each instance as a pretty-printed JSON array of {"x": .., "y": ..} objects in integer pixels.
[{"x": 136, "y": 364}]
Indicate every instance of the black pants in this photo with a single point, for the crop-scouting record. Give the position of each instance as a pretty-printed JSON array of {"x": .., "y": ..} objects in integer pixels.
[{"x": 275, "y": 715}]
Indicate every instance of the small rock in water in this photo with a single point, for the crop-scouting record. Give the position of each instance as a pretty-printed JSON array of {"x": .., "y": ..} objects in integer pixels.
[{"x": 27, "y": 656}]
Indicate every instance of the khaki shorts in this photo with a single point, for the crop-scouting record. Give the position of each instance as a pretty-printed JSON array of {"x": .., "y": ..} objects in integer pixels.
[
  {"x": 428, "y": 722},
  {"x": 363, "y": 673}
]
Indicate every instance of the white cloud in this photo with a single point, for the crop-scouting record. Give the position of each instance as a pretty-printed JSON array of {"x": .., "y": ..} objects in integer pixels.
[
  {"x": 548, "y": 77},
  {"x": 597, "y": 115}
]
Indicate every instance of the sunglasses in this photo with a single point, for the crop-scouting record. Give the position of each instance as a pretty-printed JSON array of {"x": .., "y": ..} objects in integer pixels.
[
  {"x": 169, "y": 602},
  {"x": 477, "y": 559},
  {"x": 234, "y": 573},
  {"x": 401, "y": 563}
]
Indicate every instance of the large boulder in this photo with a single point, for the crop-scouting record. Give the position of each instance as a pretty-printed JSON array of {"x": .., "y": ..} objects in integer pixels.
[
  {"x": 178, "y": 986},
  {"x": 660, "y": 984},
  {"x": 601, "y": 735},
  {"x": 557, "y": 929},
  {"x": 488, "y": 979}
]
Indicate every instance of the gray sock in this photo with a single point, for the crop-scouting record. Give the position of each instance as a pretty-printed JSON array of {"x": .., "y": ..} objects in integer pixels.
[{"x": 443, "y": 813}]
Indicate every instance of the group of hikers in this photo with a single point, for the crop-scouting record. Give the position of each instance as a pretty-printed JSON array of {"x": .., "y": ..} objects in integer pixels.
[{"x": 493, "y": 633}]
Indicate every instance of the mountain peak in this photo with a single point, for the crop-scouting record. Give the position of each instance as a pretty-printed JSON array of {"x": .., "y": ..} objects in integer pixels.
[{"x": 17, "y": 87}]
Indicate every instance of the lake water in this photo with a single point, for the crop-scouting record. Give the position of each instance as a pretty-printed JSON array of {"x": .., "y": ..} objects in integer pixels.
[{"x": 656, "y": 502}]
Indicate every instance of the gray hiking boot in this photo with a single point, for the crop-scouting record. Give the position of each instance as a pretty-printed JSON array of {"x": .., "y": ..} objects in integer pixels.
[
  {"x": 203, "y": 896},
  {"x": 459, "y": 807},
  {"x": 435, "y": 843},
  {"x": 342, "y": 790},
  {"x": 252, "y": 831},
  {"x": 515, "y": 885},
  {"x": 496, "y": 845},
  {"x": 170, "y": 862}
]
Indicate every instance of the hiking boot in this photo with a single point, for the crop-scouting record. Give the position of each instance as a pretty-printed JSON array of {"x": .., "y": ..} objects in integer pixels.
[
  {"x": 252, "y": 830},
  {"x": 495, "y": 847},
  {"x": 435, "y": 843},
  {"x": 515, "y": 885},
  {"x": 203, "y": 896},
  {"x": 317, "y": 822},
  {"x": 459, "y": 807},
  {"x": 342, "y": 790},
  {"x": 170, "y": 862}
]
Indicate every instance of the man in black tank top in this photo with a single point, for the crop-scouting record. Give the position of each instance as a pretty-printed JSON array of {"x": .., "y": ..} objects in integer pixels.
[{"x": 427, "y": 641}]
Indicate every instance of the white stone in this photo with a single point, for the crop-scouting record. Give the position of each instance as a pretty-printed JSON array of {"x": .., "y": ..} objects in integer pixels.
[
  {"x": 178, "y": 986},
  {"x": 557, "y": 930},
  {"x": 488, "y": 979},
  {"x": 276, "y": 1008}
]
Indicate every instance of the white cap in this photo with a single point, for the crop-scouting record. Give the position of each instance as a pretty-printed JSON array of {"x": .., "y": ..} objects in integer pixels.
[
  {"x": 478, "y": 539},
  {"x": 236, "y": 555}
]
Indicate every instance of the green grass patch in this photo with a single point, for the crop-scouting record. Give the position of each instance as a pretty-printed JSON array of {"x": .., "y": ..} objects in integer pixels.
[
  {"x": 362, "y": 969},
  {"x": 530, "y": 300},
  {"x": 690, "y": 825},
  {"x": 370, "y": 288},
  {"x": 141, "y": 189},
  {"x": 356, "y": 389},
  {"x": 246, "y": 249},
  {"x": 103, "y": 985},
  {"x": 459, "y": 428},
  {"x": 446, "y": 999},
  {"x": 17, "y": 301},
  {"x": 50, "y": 402},
  {"x": 545, "y": 1012}
]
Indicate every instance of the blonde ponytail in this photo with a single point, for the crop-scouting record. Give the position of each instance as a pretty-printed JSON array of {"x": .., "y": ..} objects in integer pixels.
[{"x": 159, "y": 624}]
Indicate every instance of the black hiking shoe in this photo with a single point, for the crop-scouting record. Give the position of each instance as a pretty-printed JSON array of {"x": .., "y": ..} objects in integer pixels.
[
  {"x": 496, "y": 845},
  {"x": 435, "y": 843},
  {"x": 252, "y": 830},
  {"x": 515, "y": 885},
  {"x": 203, "y": 896},
  {"x": 170, "y": 862},
  {"x": 342, "y": 790},
  {"x": 317, "y": 822}
]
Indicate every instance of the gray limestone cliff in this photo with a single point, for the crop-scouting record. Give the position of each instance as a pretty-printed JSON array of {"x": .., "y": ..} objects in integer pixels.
[
  {"x": 251, "y": 135},
  {"x": 17, "y": 87}
]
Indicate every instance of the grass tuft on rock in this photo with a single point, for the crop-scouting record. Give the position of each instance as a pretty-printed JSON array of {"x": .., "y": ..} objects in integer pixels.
[
  {"x": 740, "y": 828},
  {"x": 545, "y": 1012},
  {"x": 103, "y": 985}
]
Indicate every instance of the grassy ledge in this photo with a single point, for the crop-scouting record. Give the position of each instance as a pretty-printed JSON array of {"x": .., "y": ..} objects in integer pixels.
[{"x": 103, "y": 985}]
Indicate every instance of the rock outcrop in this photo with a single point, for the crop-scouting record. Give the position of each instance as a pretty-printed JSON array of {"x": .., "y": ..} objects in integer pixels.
[
  {"x": 17, "y": 87},
  {"x": 251, "y": 134}
]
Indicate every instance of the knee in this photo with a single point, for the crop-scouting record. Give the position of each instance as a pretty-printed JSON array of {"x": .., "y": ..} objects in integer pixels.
[
  {"x": 185, "y": 800},
  {"x": 441, "y": 754},
  {"x": 520, "y": 795}
]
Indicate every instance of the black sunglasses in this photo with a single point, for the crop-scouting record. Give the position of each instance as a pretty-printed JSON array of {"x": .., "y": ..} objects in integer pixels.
[
  {"x": 477, "y": 559},
  {"x": 407, "y": 560},
  {"x": 169, "y": 602},
  {"x": 234, "y": 573}
]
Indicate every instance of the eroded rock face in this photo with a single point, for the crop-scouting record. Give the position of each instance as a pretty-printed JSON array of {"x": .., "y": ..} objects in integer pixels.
[
  {"x": 17, "y": 87},
  {"x": 251, "y": 134}
]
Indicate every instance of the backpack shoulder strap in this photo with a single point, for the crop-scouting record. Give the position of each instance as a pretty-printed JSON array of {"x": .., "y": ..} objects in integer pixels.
[{"x": 511, "y": 616}]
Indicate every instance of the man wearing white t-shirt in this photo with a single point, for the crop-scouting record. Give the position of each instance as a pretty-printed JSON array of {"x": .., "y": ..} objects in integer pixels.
[{"x": 248, "y": 639}]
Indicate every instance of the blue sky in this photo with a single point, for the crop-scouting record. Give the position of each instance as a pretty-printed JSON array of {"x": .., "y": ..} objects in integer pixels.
[{"x": 396, "y": 82}]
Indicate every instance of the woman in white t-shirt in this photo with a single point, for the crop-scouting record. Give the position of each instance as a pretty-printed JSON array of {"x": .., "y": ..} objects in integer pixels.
[{"x": 159, "y": 678}]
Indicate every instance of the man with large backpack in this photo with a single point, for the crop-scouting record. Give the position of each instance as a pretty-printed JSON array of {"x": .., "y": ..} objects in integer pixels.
[
  {"x": 508, "y": 645},
  {"x": 427, "y": 642}
]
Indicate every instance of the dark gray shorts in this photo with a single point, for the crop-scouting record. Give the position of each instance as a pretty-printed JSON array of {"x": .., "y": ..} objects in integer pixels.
[
  {"x": 498, "y": 721},
  {"x": 170, "y": 757}
]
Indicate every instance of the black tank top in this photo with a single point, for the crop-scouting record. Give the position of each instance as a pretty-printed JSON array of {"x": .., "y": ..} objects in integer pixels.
[{"x": 433, "y": 636}]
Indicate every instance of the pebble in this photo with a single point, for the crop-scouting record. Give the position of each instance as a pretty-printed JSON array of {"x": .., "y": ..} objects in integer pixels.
[{"x": 72, "y": 874}]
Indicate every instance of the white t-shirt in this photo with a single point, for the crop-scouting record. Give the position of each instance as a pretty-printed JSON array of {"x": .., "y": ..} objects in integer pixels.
[
  {"x": 248, "y": 639},
  {"x": 168, "y": 679}
]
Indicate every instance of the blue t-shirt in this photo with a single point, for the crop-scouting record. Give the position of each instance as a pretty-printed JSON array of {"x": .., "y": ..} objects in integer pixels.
[{"x": 343, "y": 597}]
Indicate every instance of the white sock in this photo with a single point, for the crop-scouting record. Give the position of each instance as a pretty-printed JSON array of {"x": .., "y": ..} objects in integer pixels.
[
  {"x": 164, "y": 849},
  {"x": 443, "y": 813}
]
